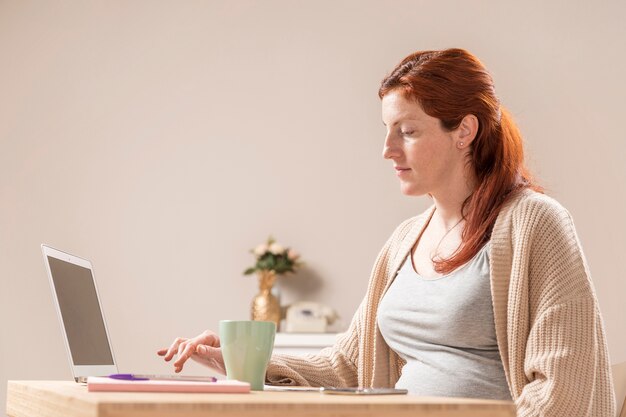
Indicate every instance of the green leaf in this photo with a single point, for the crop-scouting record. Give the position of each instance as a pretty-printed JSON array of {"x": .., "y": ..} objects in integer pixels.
[
  {"x": 281, "y": 263},
  {"x": 249, "y": 271},
  {"x": 266, "y": 262}
]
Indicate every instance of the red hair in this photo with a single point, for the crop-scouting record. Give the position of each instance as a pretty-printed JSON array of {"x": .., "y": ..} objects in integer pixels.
[{"x": 449, "y": 85}]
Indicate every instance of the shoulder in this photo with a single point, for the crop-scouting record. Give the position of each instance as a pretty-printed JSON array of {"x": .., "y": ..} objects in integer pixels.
[
  {"x": 528, "y": 202},
  {"x": 532, "y": 209},
  {"x": 543, "y": 236},
  {"x": 536, "y": 227}
]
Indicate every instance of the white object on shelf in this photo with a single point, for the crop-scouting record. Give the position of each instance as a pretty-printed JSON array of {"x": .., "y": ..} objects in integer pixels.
[
  {"x": 302, "y": 343},
  {"x": 309, "y": 317}
]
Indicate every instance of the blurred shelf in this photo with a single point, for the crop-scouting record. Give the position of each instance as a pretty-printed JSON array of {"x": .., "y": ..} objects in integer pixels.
[{"x": 302, "y": 343}]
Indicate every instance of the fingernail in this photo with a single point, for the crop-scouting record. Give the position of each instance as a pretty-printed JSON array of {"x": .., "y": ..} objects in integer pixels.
[{"x": 201, "y": 349}]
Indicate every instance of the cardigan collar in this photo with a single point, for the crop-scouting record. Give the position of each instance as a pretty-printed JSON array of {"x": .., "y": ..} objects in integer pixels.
[{"x": 407, "y": 244}]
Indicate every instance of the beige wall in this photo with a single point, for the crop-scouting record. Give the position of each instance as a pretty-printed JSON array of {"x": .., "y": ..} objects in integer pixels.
[{"x": 162, "y": 140}]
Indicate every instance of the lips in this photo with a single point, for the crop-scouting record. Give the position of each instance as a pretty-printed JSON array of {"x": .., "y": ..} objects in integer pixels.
[{"x": 401, "y": 171}]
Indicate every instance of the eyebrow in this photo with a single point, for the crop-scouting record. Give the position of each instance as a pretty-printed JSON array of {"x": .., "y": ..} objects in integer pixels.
[{"x": 398, "y": 121}]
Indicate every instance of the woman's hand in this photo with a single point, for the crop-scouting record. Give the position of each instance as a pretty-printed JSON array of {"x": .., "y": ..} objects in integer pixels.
[{"x": 204, "y": 349}]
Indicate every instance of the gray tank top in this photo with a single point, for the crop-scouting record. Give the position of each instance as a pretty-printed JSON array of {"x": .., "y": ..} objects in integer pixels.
[{"x": 444, "y": 329}]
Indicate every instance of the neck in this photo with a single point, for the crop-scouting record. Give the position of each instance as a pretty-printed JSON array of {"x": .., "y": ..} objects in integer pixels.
[
  {"x": 449, "y": 202},
  {"x": 448, "y": 213}
]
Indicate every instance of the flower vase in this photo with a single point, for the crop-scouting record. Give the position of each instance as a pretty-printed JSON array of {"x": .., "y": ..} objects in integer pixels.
[{"x": 265, "y": 306}]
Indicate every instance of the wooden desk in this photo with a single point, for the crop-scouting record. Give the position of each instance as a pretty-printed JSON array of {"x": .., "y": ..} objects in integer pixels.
[{"x": 69, "y": 399}]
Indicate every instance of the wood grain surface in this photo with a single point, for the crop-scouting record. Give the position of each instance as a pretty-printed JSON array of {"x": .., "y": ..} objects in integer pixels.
[{"x": 69, "y": 399}]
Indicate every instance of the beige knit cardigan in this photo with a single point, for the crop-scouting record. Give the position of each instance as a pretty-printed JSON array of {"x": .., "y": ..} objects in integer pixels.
[{"x": 548, "y": 325}]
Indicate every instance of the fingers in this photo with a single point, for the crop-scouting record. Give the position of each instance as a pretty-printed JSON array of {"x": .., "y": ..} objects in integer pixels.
[
  {"x": 208, "y": 354},
  {"x": 169, "y": 353},
  {"x": 205, "y": 351},
  {"x": 209, "y": 338},
  {"x": 188, "y": 348},
  {"x": 211, "y": 357},
  {"x": 185, "y": 350},
  {"x": 162, "y": 352}
]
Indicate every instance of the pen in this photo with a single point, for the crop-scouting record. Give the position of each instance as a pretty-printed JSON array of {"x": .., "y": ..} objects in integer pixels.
[{"x": 140, "y": 377}]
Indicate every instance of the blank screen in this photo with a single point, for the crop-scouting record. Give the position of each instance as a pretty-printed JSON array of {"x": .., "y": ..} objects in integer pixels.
[{"x": 80, "y": 310}]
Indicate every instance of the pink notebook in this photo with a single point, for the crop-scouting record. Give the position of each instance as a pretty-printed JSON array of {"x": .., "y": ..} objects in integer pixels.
[{"x": 100, "y": 384}]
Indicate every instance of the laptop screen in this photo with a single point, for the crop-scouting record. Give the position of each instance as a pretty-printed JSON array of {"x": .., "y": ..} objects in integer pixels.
[{"x": 81, "y": 314}]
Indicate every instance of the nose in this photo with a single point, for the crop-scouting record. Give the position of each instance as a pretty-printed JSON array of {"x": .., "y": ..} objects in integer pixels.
[{"x": 389, "y": 149}]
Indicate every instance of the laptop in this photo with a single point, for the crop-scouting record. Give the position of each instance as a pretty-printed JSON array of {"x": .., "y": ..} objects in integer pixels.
[
  {"x": 80, "y": 314},
  {"x": 82, "y": 320}
]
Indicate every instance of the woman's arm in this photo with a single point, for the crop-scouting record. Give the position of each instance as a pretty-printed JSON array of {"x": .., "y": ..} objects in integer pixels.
[
  {"x": 565, "y": 358},
  {"x": 566, "y": 364},
  {"x": 334, "y": 366}
]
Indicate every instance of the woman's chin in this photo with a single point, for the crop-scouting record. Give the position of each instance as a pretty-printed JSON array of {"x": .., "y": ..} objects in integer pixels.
[{"x": 411, "y": 190}]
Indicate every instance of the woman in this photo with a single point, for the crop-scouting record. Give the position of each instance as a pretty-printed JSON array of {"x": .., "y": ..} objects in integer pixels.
[{"x": 486, "y": 294}]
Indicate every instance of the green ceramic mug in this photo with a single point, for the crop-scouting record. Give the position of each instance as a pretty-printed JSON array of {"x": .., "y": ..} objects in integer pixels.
[{"x": 247, "y": 347}]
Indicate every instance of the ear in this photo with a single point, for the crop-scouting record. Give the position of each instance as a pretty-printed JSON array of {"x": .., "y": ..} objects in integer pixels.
[{"x": 466, "y": 132}]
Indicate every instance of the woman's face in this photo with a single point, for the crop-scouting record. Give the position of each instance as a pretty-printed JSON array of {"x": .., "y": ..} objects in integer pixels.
[{"x": 425, "y": 156}]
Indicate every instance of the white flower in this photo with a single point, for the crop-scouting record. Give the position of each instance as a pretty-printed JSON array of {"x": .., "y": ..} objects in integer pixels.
[
  {"x": 293, "y": 255},
  {"x": 276, "y": 249},
  {"x": 260, "y": 250}
]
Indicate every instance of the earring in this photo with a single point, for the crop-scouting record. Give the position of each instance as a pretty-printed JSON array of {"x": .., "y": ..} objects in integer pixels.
[{"x": 460, "y": 144}]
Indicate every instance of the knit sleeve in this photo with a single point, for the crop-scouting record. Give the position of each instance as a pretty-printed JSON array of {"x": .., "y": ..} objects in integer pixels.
[
  {"x": 333, "y": 366},
  {"x": 566, "y": 363}
]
